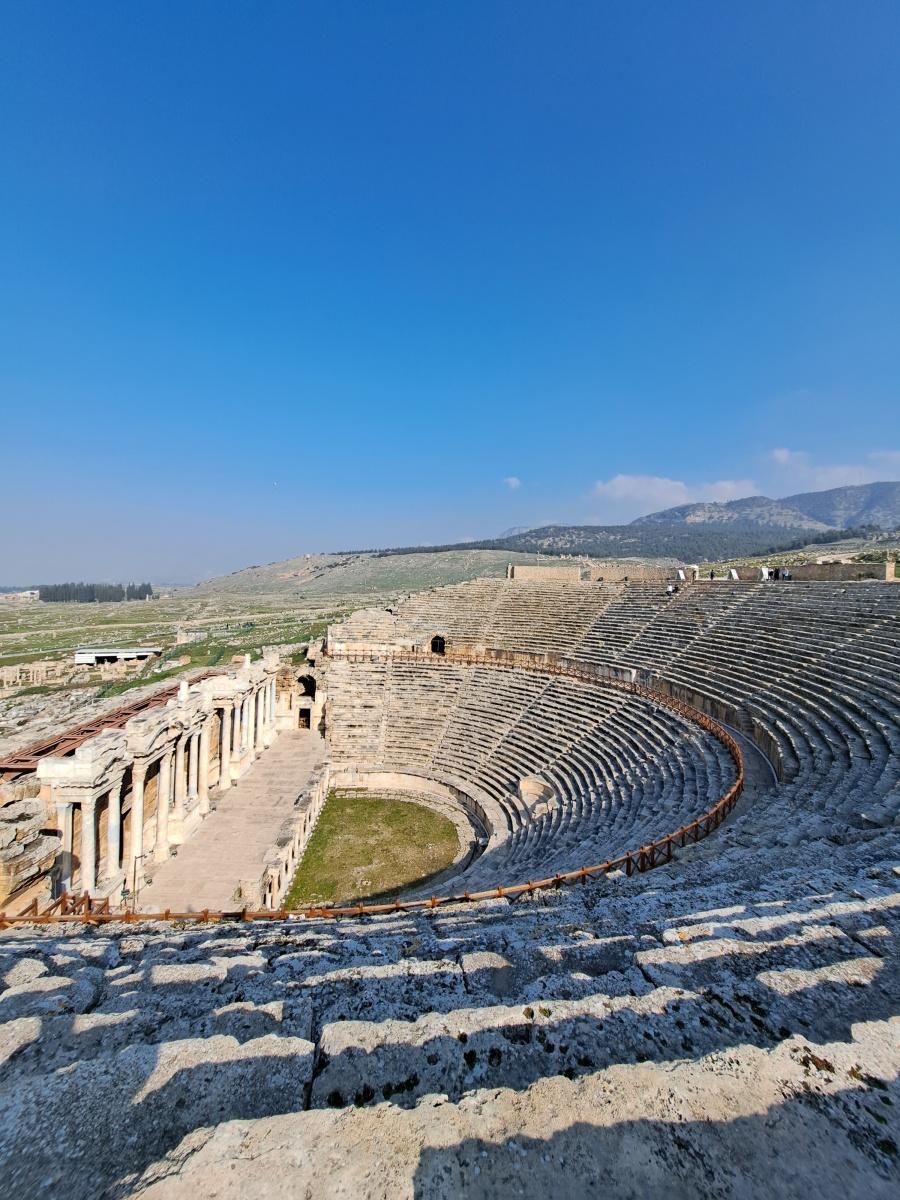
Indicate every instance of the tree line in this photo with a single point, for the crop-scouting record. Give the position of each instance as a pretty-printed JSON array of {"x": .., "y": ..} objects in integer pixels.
[{"x": 88, "y": 593}]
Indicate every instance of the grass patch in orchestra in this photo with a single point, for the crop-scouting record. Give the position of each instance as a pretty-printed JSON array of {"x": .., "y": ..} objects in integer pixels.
[{"x": 367, "y": 846}]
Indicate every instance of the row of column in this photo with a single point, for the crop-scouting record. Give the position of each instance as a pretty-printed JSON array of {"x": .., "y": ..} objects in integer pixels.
[
  {"x": 247, "y": 726},
  {"x": 88, "y": 847},
  {"x": 177, "y": 790}
]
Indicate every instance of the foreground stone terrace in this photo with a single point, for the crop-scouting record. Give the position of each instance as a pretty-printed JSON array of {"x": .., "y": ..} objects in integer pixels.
[{"x": 717, "y": 1033}]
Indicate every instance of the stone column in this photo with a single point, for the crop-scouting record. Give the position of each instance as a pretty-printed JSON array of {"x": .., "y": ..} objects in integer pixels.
[
  {"x": 180, "y": 780},
  {"x": 260, "y": 717},
  {"x": 203, "y": 767},
  {"x": 193, "y": 765},
  {"x": 225, "y": 748},
  {"x": 88, "y": 845},
  {"x": 273, "y": 710},
  {"x": 267, "y": 713},
  {"x": 64, "y": 823},
  {"x": 138, "y": 774},
  {"x": 245, "y": 725},
  {"x": 238, "y": 733},
  {"x": 176, "y": 821},
  {"x": 114, "y": 829},
  {"x": 163, "y": 793},
  {"x": 251, "y": 724}
]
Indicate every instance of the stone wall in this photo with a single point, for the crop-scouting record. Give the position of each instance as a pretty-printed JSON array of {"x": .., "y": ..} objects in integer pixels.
[
  {"x": 571, "y": 572},
  {"x": 618, "y": 572},
  {"x": 836, "y": 572},
  {"x": 824, "y": 572}
]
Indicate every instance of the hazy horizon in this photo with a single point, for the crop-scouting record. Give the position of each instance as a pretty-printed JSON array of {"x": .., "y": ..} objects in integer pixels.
[
  {"x": 189, "y": 582},
  {"x": 291, "y": 279}
]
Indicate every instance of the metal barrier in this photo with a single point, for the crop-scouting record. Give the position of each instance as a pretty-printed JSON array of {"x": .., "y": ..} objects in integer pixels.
[{"x": 85, "y": 910}]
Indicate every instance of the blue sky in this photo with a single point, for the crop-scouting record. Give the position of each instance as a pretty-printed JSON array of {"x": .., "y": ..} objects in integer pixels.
[{"x": 280, "y": 278}]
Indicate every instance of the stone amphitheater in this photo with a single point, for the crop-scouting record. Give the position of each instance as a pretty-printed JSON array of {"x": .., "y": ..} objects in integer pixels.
[{"x": 663, "y": 963}]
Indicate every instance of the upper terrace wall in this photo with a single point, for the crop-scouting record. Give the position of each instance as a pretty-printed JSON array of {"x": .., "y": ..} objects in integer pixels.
[
  {"x": 620, "y": 572},
  {"x": 608, "y": 572},
  {"x": 837, "y": 572},
  {"x": 827, "y": 572},
  {"x": 571, "y": 572}
]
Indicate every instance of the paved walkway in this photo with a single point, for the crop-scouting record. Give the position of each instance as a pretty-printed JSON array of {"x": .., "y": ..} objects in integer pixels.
[{"x": 233, "y": 841}]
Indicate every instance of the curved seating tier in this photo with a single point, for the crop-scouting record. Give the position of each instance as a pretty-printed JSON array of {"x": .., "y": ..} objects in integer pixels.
[
  {"x": 807, "y": 670},
  {"x": 624, "y": 771}
]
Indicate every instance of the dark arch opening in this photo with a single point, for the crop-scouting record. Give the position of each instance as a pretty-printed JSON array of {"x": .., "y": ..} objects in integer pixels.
[
  {"x": 307, "y": 685},
  {"x": 438, "y": 645}
]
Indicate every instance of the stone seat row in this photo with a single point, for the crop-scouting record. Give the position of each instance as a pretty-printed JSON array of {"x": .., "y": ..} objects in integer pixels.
[{"x": 612, "y": 761}]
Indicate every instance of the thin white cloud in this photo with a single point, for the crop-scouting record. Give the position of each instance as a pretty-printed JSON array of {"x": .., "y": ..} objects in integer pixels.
[
  {"x": 796, "y": 470},
  {"x": 787, "y": 458},
  {"x": 513, "y": 482},
  {"x": 628, "y": 496}
]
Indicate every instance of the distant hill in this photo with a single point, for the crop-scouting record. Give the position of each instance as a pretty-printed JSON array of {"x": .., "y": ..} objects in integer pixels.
[
  {"x": 676, "y": 541},
  {"x": 838, "y": 508},
  {"x": 841, "y": 508},
  {"x": 692, "y": 533},
  {"x": 358, "y": 575},
  {"x": 513, "y": 530}
]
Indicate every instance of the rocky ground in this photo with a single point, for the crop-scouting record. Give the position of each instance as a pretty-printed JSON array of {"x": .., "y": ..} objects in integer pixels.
[
  {"x": 27, "y": 719},
  {"x": 721, "y": 1028}
]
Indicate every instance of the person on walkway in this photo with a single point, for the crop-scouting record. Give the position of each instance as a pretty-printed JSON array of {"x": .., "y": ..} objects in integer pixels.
[{"x": 712, "y": 574}]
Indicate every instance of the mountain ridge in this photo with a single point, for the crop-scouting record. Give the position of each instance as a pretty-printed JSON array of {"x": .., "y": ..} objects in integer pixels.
[
  {"x": 834, "y": 508},
  {"x": 684, "y": 534}
]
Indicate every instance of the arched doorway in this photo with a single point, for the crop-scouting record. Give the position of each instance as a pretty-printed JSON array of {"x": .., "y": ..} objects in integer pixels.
[{"x": 438, "y": 644}]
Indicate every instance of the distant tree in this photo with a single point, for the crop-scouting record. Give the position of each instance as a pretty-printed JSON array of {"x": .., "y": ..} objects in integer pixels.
[{"x": 92, "y": 593}]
